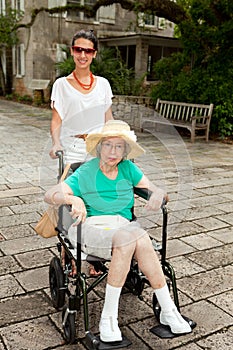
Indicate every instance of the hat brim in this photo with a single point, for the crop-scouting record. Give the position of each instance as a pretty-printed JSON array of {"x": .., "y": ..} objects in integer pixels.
[{"x": 92, "y": 141}]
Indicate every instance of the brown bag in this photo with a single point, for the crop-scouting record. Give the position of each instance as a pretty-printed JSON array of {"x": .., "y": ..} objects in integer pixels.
[
  {"x": 47, "y": 223},
  {"x": 46, "y": 226}
]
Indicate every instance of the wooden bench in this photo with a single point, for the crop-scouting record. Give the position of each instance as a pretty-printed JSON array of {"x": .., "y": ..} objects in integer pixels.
[{"x": 194, "y": 117}]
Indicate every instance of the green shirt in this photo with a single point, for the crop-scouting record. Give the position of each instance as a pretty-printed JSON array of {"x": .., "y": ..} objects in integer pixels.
[{"x": 101, "y": 195}]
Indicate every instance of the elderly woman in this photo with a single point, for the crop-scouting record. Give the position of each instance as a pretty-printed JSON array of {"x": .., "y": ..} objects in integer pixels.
[{"x": 101, "y": 195}]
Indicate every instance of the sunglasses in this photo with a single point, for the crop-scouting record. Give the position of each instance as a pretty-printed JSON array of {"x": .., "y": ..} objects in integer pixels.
[{"x": 78, "y": 49}]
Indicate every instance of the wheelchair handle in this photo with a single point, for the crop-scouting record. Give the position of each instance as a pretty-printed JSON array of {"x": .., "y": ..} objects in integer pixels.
[{"x": 59, "y": 154}]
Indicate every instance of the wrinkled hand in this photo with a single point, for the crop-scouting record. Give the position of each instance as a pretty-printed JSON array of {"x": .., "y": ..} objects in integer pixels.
[
  {"x": 78, "y": 210},
  {"x": 54, "y": 149},
  {"x": 156, "y": 200}
]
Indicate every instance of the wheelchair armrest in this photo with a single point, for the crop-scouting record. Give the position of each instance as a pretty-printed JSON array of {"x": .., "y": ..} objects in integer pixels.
[
  {"x": 145, "y": 194},
  {"x": 142, "y": 192}
]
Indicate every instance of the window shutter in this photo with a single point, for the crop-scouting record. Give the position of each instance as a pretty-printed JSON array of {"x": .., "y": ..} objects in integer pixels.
[
  {"x": 2, "y": 7},
  {"x": 22, "y": 60},
  {"x": 21, "y": 5}
]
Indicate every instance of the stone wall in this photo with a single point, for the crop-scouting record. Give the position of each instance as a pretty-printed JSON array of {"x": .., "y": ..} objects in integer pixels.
[{"x": 131, "y": 109}]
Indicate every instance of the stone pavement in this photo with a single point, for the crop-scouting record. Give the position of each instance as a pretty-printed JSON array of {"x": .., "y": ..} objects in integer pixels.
[{"x": 199, "y": 180}]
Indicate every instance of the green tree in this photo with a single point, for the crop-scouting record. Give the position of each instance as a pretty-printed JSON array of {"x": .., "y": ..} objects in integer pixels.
[
  {"x": 203, "y": 72},
  {"x": 8, "y": 38}
]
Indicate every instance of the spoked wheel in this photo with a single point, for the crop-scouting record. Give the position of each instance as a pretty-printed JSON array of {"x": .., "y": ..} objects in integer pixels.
[
  {"x": 56, "y": 282},
  {"x": 69, "y": 326}
]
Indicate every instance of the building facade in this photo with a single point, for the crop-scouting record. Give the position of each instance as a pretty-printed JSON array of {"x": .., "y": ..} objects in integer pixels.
[{"x": 141, "y": 40}]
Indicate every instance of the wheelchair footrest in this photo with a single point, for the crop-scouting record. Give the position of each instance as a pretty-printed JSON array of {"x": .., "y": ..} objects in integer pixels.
[
  {"x": 165, "y": 332},
  {"x": 114, "y": 345}
]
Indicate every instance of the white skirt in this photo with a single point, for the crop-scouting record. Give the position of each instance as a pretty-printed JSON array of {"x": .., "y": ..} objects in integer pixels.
[{"x": 98, "y": 233}]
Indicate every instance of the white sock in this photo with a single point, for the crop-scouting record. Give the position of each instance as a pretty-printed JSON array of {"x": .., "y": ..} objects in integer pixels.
[
  {"x": 111, "y": 302},
  {"x": 165, "y": 301}
]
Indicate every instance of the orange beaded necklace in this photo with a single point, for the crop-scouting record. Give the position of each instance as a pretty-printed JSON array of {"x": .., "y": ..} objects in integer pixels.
[{"x": 85, "y": 86}]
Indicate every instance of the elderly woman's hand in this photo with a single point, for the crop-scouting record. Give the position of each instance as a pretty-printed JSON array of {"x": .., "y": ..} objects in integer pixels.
[
  {"x": 78, "y": 210},
  {"x": 156, "y": 199}
]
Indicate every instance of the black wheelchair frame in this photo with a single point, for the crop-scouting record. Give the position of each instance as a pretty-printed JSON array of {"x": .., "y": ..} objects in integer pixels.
[{"x": 59, "y": 278}]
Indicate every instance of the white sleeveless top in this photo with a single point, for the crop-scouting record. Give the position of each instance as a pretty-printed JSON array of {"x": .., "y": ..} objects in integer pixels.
[{"x": 81, "y": 113}]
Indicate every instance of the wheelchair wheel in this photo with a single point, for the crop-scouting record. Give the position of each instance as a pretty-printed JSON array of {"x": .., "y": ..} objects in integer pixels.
[
  {"x": 56, "y": 282},
  {"x": 69, "y": 326}
]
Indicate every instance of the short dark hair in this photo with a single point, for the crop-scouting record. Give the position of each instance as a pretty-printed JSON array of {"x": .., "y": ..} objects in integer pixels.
[{"x": 89, "y": 35}]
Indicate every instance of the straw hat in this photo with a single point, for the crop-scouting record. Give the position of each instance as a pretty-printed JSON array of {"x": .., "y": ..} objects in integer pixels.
[{"x": 115, "y": 128}]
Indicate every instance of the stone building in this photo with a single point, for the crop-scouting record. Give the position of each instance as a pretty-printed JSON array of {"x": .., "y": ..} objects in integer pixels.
[{"x": 141, "y": 41}]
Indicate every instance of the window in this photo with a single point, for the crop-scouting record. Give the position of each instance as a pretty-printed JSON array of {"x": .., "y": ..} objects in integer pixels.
[
  {"x": 17, "y": 5},
  {"x": 56, "y": 3},
  {"x": 107, "y": 14},
  {"x": 19, "y": 61},
  {"x": 79, "y": 15},
  {"x": 2, "y": 7},
  {"x": 147, "y": 20},
  {"x": 128, "y": 54}
]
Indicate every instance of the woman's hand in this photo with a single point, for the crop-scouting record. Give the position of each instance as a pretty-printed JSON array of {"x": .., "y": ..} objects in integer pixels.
[
  {"x": 156, "y": 199},
  {"x": 78, "y": 210},
  {"x": 54, "y": 149}
]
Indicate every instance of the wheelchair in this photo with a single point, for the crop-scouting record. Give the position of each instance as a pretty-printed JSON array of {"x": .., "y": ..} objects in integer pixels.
[{"x": 70, "y": 293}]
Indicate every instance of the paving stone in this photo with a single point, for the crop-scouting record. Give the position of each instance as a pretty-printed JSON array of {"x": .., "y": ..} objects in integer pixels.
[
  {"x": 4, "y": 202},
  {"x": 207, "y": 284},
  {"x": 177, "y": 230},
  {"x": 228, "y": 195},
  {"x": 36, "y": 334},
  {"x": 19, "y": 219},
  {"x": 227, "y": 206},
  {"x": 137, "y": 342},
  {"x": 8, "y": 265},
  {"x": 175, "y": 247},
  {"x": 21, "y": 245},
  {"x": 214, "y": 257},
  {"x": 184, "y": 267},
  {"x": 9, "y": 286},
  {"x": 19, "y": 192},
  {"x": 28, "y": 208},
  {"x": 34, "y": 259},
  {"x": 32, "y": 198},
  {"x": 23, "y": 307},
  {"x": 5, "y": 211},
  {"x": 194, "y": 194},
  {"x": 201, "y": 241},
  {"x": 196, "y": 213},
  {"x": 224, "y": 301},
  {"x": 206, "y": 200},
  {"x": 227, "y": 218},
  {"x": 224, "y": 235},
  {"x": 224, "y": 190},
  {"x": 221, "y": 182},
  {"x": 18, "y": 184},
  {"x": 221, "y": 340},
  {"x": 211, "y": 223},
  {"x": 33, "y": 279},
  {"x": 10, "y": 233}
]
